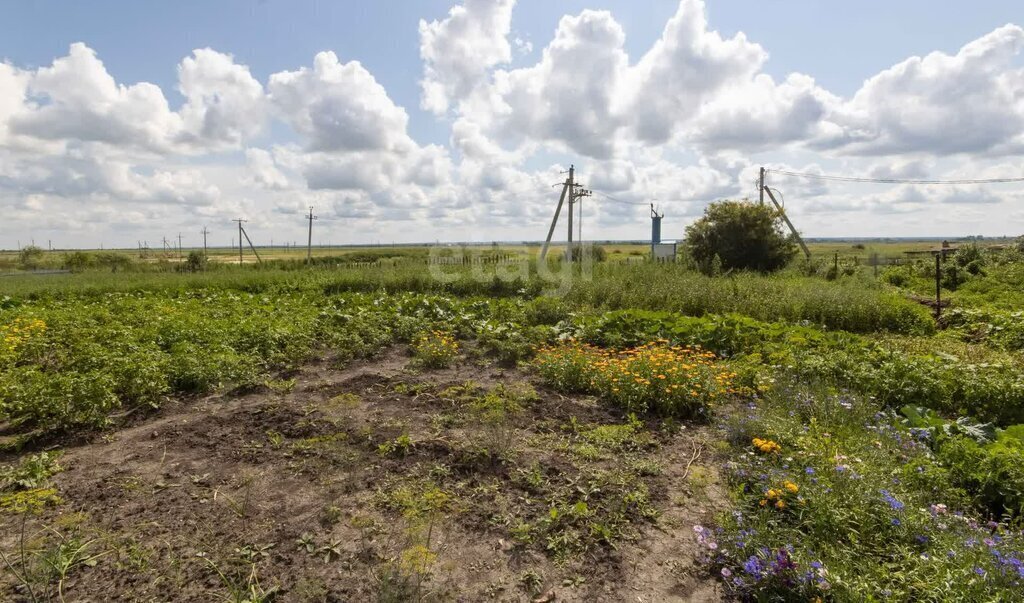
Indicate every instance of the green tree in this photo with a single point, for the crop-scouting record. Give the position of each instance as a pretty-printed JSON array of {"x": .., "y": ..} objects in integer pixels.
[
  {"x": 742, "y": 236},
  {"x": 31, "y": 257}
]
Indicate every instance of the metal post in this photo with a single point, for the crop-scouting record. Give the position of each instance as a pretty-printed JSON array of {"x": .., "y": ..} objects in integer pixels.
[{"x": 938, "y": 285}]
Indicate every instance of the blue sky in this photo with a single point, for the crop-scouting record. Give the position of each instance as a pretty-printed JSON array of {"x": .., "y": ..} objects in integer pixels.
[{"x": 839, "y": 45}]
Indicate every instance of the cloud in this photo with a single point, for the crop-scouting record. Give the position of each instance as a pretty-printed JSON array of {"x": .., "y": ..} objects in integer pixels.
[
  {"x": 970, "y": 102},
  {"x": 339, "y": 107},
  {"x": 264, "y": 169},
  {"x": 458, "y": 51},
  {"x": 76, "y": 98},
  {"x": 225, "y": 104}
]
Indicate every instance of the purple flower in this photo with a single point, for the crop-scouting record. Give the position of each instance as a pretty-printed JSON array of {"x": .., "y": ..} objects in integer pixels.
[
  {"x": 726, "y": 572},
  {"x": 979, "y": 571},
  {"x": 753, "y": 566},
  {"x": 809, "y": 471},
  {"x": 889, "y": 498}
]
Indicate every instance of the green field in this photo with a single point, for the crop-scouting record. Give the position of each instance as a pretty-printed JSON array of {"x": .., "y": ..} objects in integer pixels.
[{"x": 381, "y": 425}]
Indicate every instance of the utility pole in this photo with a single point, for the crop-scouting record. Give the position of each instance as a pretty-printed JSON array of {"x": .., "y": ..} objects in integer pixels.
[
  {"x": 309, "y": 240},
  {"x": 179, "y": 247},
  {"x": 204, "y": 232},
  {"x": 239, "y": 220},
  {"x": 760, "y": 187},
  {"x": 554, "y": 221},
  {"x": 572, "y": 199}
]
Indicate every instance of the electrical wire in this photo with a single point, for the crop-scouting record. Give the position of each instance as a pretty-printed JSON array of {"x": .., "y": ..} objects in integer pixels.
[{"x": 892, "y": 180}]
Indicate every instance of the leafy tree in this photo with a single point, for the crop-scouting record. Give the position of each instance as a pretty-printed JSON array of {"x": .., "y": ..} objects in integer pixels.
[
  {"x": 30, "y": 257},
  {"x": 739, "y": 235}
]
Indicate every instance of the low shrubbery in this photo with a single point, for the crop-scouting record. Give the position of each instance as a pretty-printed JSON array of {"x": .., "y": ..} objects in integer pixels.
[{"x": 989, "y": 390}]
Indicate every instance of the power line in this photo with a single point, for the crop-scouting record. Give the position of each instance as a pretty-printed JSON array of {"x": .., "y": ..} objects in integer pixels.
[
  {"x": 893, "y": 180},
  {"x": 611, "y": 198}
]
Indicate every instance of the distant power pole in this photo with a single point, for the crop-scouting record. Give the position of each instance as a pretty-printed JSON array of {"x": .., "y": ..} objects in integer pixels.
[
  {"x": 309, "y": 240},
  {"x": 204, "y": 232},
  {"x": 179, "y": 246},
  {"x": 239, "y": 220}
]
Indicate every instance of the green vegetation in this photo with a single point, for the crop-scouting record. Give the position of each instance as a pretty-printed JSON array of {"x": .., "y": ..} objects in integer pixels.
[
  {"x": 552, "y": 412},
  {"x": 739, "y": 235}
]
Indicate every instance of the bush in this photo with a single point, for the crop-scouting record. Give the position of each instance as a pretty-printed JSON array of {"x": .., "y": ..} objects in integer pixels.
[
  {"x": 30, "y": 257},
  {"x": 196, "y": 261},
  {"x": 742, "y": 235}
]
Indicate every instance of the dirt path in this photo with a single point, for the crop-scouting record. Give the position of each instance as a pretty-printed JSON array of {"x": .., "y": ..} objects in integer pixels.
[{"x": 380, "y": 482}]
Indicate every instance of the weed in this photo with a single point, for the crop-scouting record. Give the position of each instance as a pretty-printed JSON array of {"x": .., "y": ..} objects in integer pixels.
[{"x": 435, "y": 349}]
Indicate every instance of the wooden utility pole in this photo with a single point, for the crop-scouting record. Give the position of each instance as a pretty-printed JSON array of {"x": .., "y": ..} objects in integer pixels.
[{"x": 309, "y": 241}]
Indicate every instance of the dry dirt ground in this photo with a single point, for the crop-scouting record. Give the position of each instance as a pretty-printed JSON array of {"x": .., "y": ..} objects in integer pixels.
[{"x": 378, "y": 481}]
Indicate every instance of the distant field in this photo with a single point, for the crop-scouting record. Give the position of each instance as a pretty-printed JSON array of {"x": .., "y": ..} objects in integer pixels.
[{"x": 846, "y": 249}]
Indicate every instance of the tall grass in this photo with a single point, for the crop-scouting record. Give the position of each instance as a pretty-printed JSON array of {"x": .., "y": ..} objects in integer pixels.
[{"x": 857, "y": 305}]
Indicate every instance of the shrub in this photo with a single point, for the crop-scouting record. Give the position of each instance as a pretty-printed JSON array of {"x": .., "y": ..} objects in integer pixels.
[
  {"x": 742, "y": 235},
  {"x": 31, "y": 257}
]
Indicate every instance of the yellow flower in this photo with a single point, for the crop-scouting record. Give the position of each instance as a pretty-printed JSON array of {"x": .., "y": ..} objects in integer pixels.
[
  {"x": 791, "y": 487},
  {"x": 780, "y": 504}
]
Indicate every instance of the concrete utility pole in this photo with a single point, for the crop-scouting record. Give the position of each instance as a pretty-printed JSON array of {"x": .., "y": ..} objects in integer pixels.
[
  {"x": 309, "y": 241},
  {"x": 204, "y": 232},
  {"x": 179, "y": 246},
  {"x": 572, "y": 199},
  {"x": 760, "y": 187},
  {"x": 239, "y": 220}
]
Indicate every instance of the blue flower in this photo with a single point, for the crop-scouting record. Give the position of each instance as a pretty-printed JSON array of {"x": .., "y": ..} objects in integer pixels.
[
  {"x": 753, "y": 566},
  {"x": 889, "y": 498},
  {"x": 809, "y": 471}
]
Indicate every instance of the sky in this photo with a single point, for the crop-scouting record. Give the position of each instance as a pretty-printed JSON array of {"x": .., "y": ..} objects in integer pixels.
[{"x": 448, "y": 120}]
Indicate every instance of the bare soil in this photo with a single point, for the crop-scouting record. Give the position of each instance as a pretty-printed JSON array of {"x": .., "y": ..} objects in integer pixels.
[{"x": 378, "y": 481}]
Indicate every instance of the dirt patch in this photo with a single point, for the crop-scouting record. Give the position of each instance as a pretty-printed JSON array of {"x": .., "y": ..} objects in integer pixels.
[{"x": 377, "y": 481}]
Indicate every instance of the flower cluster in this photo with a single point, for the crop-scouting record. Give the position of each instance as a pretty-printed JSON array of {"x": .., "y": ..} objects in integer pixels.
[
  {"x": 777, "y": 497},
  {"x": 435, "y": 349},
  {"x": 657, "y": 377},
  {"x": 17, "y": 333},
  {"x": 766, "y": 446}
]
